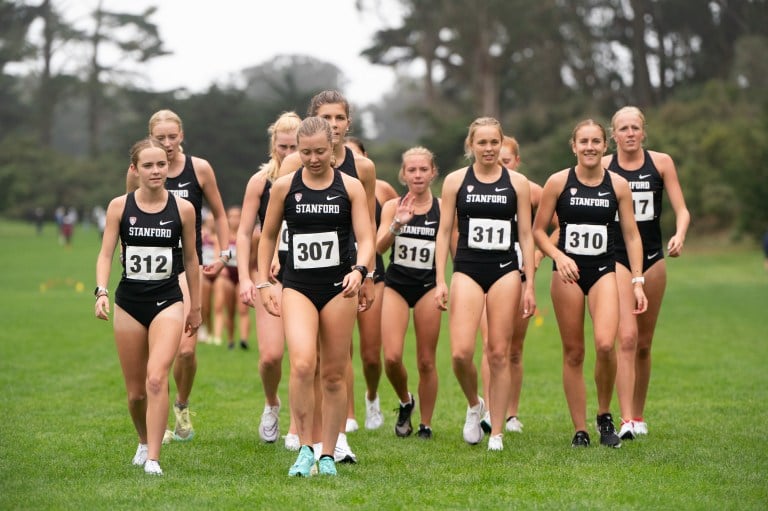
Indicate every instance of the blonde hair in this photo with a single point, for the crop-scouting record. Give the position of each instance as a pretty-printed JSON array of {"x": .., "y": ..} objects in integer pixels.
[
  {"x": 287, "y": 122},
  {"x": 164, "y": 115},
  {"x": 627, "y": 110},
  {"x": 477, "y": 123},
  {"x": 312, "y": 125},
  {"x": 512, "y": 144},
  {"x": 142, "y": 144},
  {"x": 415, "y": 151}
]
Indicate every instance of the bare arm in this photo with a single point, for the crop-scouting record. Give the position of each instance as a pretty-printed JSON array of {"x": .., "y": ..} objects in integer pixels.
[
  {"x": 666, "y": 167},
  {"x": 443, "y": 238},
  {"x": 188, "y": 238},
  {"x": 525, "y": 237},
  {"x": 104, "y": 259},
  {"x": 249, "y": 212},
  {"x": 268, "y": 242},
  {"x": 207, "y": 180},
  {"x": 632, "y": 238}
]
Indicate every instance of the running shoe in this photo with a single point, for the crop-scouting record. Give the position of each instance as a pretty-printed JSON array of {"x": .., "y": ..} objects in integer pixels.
[
  {"x": 473, "y": 432},
  {"x": 351, "y": 425},
  {"x": 627, "y": 430},
  {"x": 424, "y": 432},
  {"x": 342, "y": 453},
  {"x": 607, "y": 430},
  {"x": 292, "y": 442},
  {"x": 514, "y": 425},
  {"x": 495, "y": 443},
  {"x": 486, "y": 422},
  {"x": 269, "y": 429},
  {"x": 304, "y": 463},
  {"x": 580, "y": 439},
  {"x": 168, "y": 436},
  {"x": 641, "y": 427},
  {"x": 183, "y": 431},
  {"x": 403, "y": 427},
  {"x": 373, "y": 416},
  {"x": 244, "y": 344},
  {"x": 152, "y": 467},
  {"x": 327, "y": 466},
  {"x": 140, "y": 458}
]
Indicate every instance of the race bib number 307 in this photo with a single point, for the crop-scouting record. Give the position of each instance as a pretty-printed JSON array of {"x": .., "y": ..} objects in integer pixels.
[
  {"x": 315, "y": 250},
  {"x": 148, "y": 263}
]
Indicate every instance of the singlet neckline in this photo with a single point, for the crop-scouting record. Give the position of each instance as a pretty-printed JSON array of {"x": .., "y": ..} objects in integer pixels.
[{"x": 477, "y": 176}]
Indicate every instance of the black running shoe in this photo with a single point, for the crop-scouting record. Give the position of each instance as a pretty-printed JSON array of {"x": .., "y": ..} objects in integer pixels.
[
  {"x": 244, "y": 344},
  {"x": 580, "y": 439},
  {"x": 425, "y": 432},
  {"x": 607, "y": 430},
  {"x": 404, "y": 428}
]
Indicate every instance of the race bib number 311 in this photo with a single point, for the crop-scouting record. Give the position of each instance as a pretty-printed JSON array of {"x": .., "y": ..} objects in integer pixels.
[{"x": 489, "y": 234}]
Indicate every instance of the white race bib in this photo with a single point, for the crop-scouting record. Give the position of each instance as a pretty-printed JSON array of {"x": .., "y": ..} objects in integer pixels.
[
  {"x": 414, "y": 253},
  {"x": 489, "y": 234},
  {"x": 282, "y": 244},
  {"x": 643, "y": 204},
  {"x": 315, "y": 250},
  {"x": 148, "y": 263},
  {"x": 586, "y": 239}
]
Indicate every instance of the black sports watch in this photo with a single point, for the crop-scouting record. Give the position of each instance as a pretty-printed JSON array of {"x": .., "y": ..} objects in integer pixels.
[{"x": 362, "y": 269}]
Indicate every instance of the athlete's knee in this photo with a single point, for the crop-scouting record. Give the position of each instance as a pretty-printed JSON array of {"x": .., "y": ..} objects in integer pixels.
[
  {"x": 136, "y": 397},
  {"x": 604, "y": 348},
  {"x": 156, "y": 383},
  {"x": 303, "y": 370},
  {"x": 333, "y": 381},
  {"x": 573, "y": 356},
  {"x": 426, "y": 366}
]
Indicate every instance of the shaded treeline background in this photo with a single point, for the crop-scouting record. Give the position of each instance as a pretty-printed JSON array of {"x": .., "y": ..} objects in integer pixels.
[{"x": 697, "y": 69}]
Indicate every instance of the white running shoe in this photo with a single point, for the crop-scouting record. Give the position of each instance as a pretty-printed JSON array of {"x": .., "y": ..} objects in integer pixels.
[
  {"x": 292, "y": 442},
  {"x": 351, "y": 426},
  {"x": 269, "y": 429},
  {"x": 641, "y": 428},
  {"x": 473, "y": 432},
  {"x": 514, "y": 425},
  {"x": 373, "y": 416},
  {"x": 343, "y": 453},
  {"x": 152, "y": 467},
  {"x": 495, "y": 443},
  {"x": 184, "y": 430},
  {"x": 141, "y": 455},
  {"x": 627, "y": 431}
]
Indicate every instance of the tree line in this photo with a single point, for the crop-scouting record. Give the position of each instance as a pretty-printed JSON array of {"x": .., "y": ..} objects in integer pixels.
[{"x": 697, "y": 69}]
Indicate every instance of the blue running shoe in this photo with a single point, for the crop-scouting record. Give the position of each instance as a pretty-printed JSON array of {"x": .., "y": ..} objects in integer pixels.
[
  {"x": 304, "y": 463},
  {"x": 327, "y": 466}
]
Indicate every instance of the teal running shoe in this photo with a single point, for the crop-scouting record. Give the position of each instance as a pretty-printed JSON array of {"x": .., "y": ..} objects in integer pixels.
[
  {"x": 304, "y": 463},
  {"x": 327, "y": 466}
]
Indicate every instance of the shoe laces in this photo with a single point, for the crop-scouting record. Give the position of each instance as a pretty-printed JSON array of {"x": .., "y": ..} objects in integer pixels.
[{"x": 404, "y": 412}]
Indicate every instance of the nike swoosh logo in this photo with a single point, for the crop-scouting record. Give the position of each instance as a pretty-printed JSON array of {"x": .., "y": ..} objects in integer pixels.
[
  {"x": 651, "y": 256},
  {"x": 337, "y": 284},
  {"x": 331, "y": 197},
  {"x": 183, "y": 185},
  {"x": 602, "y": 268},
  {"x": 430, "y": 223},
  {"x": 160, "y": 304},
  {"x": 602, "y": 194},
  {"x": 166, "y": 222},
  {"x": 501, "y": 189},
  {"x": 643, "y": 176},
  {"x": 504, "y": 265}
]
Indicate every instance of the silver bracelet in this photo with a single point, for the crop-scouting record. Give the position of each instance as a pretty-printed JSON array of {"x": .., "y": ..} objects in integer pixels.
[
  {"x": 263, "y": 285},
  {"x": 395, "y": 232}
]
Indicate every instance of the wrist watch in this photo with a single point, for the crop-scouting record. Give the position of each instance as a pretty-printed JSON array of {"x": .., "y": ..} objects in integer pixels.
[
  {"x": 100, "y": 291},
  {"x": 362, "y": 269},
  {"x": 225, "y": 255}
]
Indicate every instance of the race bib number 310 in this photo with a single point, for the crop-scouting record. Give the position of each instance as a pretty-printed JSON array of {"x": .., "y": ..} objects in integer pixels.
[
  {"x": 316, "y": 250},
  {"x": 586, "y": 239},
  {"x": 148, "y": 263}
]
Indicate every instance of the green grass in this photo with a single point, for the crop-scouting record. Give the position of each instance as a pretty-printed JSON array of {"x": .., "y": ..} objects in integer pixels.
[{"x": 66, "y": 439}]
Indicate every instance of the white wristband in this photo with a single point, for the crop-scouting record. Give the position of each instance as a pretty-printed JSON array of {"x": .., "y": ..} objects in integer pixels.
[{"x": 638, "y": 280}]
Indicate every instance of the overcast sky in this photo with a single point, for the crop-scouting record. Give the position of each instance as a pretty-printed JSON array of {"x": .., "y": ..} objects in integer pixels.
[{"x": 212, "y": 40}]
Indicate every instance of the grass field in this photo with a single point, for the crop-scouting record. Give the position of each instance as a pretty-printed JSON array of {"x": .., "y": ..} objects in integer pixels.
[{"x": 66, "y": 439}]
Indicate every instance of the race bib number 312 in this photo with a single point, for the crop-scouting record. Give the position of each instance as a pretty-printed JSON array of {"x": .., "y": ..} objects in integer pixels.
[{"x": 148, "y": 263}]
